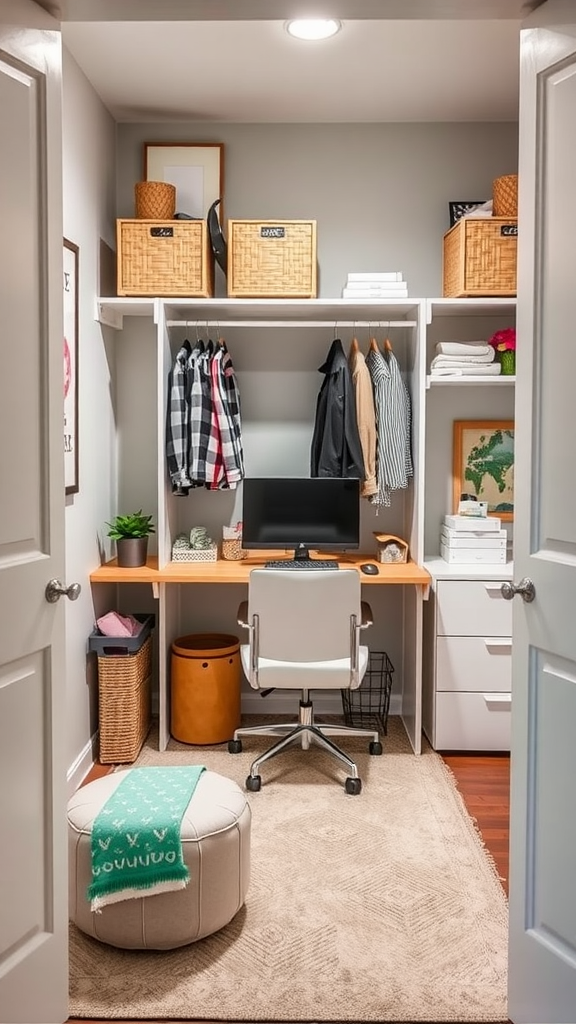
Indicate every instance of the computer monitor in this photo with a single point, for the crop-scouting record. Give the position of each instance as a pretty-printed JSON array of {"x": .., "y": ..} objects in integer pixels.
[{"x": 301, "y": 513}]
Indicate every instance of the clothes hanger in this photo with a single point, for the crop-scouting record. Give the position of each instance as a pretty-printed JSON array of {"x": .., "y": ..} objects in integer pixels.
[
  {"x": 374, "y": 345},
  {"x": 388, "y": 345},
  {"x": 354, "y": 345}
]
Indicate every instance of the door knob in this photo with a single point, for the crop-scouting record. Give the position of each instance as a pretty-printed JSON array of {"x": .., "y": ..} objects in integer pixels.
[
  {"x": 525, "y": 588},
  {"x": 55, "y": 590}
]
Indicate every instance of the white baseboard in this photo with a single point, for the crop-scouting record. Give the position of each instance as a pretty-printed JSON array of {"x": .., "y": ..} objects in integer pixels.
[
  {"x": 278, "y": 703},
  {"x": 82, "y": 765}
]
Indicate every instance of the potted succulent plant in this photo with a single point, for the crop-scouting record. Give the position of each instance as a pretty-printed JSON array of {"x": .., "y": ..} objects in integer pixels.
[{"x": 131, "y": 534}]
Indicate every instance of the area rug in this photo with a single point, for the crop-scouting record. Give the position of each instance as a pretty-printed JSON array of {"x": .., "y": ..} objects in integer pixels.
[{"x": 379, "y": 907}]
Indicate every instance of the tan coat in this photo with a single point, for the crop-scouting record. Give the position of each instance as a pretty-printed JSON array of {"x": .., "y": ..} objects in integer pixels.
[{"x": 366, "y": 417}]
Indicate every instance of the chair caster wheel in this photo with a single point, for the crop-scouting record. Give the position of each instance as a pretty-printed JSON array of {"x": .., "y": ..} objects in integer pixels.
[
  {"x": 353, "y": 786},
  {"x": 375, "y": 748},
  {"x": 253, "y": 783},
  {"x": 234, "y": 746}
]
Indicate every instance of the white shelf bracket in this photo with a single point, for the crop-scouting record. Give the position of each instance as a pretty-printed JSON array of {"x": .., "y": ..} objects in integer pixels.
[{"x": 108, "y": 316}]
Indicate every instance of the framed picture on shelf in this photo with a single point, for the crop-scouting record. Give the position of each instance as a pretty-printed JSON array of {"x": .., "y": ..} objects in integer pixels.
[
  {"x": 484, "y": 464},
  {"x": 459, "y": 207},
  {"x": 196, "y": 169},
  {"x": 70, "y": 309}
]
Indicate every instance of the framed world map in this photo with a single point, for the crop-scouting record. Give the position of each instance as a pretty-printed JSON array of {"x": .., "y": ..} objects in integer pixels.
[{"x": 484, "y": 464}]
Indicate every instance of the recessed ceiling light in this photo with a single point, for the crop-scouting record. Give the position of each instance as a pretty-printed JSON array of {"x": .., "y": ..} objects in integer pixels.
[{"x": 310, "y": 28}]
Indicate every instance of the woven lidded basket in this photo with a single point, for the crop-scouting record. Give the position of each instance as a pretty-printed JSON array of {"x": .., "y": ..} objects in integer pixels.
[
  {"x": 124, "y": 704},
  {"x": 505, "y": 196},
  {"x": 155, "y": 200}
]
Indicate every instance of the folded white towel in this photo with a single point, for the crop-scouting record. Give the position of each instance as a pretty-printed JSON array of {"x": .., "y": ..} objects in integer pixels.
[
  {"x": 463, "y": 360},
  {"x": 466, "y": 371},
  {"x": 463, "y": 348}
]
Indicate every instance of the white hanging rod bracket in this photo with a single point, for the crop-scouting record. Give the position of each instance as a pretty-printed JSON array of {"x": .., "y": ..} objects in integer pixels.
[{"x": 337, "y": 324}]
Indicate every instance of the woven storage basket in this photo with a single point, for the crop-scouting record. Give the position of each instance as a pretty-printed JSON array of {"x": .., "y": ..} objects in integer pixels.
[
  {"x": 480, "y": 257},
  {"x": 124, "y": 686},
  {"x": 505, "y": 196},
  {"x": 195, "y": 554},
  {"x": 155, "y": 200},
  {"x": 164, "y": 258},
  {"x": 272, "y": 259}
]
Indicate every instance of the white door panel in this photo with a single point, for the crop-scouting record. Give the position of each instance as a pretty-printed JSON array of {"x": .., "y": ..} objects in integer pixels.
[
  {"x": 33, "y": 901},
  {"x": 542, "y": 985}
]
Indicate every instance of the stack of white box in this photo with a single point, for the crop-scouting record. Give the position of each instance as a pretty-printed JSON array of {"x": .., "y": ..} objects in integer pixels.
[{"x": 468, "y": 539}]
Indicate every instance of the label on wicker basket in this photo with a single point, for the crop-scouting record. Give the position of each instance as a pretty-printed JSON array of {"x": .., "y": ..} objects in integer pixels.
[
  {"x": 509, "y": 230},
  {"x": 162, "y": 232},
  {"x": 269, "y": 232}
]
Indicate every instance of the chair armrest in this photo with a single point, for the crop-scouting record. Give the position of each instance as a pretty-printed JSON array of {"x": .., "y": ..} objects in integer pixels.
[
  {"x": 242, "y": 615},
  {"x": 367, "y": 616}
]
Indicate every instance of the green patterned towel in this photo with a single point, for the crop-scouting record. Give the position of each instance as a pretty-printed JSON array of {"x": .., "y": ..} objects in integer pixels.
[{"x": 136, "y": 847}]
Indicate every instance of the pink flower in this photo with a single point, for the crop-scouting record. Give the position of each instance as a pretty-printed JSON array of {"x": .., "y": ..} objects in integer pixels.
[{"x": 504, "y": 341}]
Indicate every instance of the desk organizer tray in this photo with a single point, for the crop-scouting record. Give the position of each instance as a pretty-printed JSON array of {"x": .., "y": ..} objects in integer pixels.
[
  {"x": 195, "y": 554},
  {"x": 120, "y": 645}
]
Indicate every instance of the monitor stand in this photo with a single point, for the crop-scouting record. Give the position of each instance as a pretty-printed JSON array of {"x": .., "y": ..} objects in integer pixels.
[{"x": 301, "y": 553}]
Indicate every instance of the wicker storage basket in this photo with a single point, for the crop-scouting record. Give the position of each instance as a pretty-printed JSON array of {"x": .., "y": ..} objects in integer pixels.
[
  {"x": 272, "y": 259},
  {"x": 505, "y": 196},
  {"x": 480, "y": 257},
  {"x": 124, "y": 704},
  {"x": 155, "y": 200},
  {"x": 195, "y": 554},
  {"x": 164, "y": 258}
]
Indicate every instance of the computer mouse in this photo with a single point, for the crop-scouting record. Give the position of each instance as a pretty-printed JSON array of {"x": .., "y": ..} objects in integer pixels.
[{"x": 369, "y": 569}]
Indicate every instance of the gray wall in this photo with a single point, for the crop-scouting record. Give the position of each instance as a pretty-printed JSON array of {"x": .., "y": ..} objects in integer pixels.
[{"x": 379, "y": 192}]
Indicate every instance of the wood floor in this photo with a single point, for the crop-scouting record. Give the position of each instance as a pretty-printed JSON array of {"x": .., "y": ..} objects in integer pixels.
[{"x": 483, "y": 781}]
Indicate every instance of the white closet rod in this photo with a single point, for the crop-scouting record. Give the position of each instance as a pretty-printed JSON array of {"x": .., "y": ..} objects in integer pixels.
[{"x": 224, "y": 322}]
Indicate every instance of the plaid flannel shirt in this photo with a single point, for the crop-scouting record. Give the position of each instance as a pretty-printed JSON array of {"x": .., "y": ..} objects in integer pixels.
[{"x": 203, "y": 430}]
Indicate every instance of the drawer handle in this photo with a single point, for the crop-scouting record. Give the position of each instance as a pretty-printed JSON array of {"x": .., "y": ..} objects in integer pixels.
[
  {"x": 499, "y": 699},
  {"x": 497, "y": 641},
  {"x": 494, "y": 589}
]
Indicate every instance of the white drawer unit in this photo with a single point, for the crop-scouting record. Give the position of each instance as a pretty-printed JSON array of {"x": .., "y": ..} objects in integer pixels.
[
  {"x": 472, "y": 721},
  {"x": 467, "y": 671}
]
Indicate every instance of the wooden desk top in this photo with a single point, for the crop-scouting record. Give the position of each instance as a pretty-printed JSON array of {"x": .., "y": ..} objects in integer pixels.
[{"x": 224, "y": 571}]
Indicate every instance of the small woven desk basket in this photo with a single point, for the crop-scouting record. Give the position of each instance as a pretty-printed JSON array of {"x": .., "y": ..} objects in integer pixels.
[
  {"x": 154, "y": 200},
  {"x": 505, "y": 196}
]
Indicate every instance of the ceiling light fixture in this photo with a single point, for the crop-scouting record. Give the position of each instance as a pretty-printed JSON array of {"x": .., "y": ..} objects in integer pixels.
[{"x": 310, "y": 28}]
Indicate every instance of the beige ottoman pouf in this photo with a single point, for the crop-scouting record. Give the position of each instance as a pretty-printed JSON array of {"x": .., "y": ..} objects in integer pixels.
[{"x": 215, "y": 834}]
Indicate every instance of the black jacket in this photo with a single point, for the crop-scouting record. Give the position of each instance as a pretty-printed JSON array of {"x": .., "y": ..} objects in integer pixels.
[{"x": 336, "y": 449}]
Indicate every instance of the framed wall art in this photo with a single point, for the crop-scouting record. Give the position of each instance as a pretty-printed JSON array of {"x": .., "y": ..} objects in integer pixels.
[
  {"x": 70, "y": 306},
  {"x": 196, "y": 169},
  {"x": 484, "y": 464}
]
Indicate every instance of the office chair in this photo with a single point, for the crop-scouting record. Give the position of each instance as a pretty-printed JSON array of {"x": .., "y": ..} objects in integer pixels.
[{"x": 304, "y": 633}]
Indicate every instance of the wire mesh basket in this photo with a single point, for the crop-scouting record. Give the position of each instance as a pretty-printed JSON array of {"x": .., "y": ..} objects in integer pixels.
[{"x": 368, "y": 706}]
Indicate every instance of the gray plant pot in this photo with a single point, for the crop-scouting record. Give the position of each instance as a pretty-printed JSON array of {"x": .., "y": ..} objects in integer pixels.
[{"x": 132, "y": 551}]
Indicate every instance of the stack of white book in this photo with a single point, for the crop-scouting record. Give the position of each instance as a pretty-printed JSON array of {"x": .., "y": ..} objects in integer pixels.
[
  {"x": 383, "y": 284},
  {"x": 468, "y": 539}
]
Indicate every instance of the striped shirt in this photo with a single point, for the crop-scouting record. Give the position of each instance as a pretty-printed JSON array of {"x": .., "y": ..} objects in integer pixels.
[{"x": 393, "y": 419}]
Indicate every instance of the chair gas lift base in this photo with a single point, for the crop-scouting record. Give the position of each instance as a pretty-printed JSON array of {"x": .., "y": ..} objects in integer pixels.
[{"x": 304, "y": 628}]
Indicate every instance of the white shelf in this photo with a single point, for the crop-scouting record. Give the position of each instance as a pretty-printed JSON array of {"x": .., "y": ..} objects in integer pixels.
[
  {"x": 334, "y": 310},
  {"x": 264, "y": 312},
  {"x": 470, "y": 307},
  {"x": 498, "y": 381},
  {"x": 111, "y": 311},
  {"x": 441, "y": 570}
]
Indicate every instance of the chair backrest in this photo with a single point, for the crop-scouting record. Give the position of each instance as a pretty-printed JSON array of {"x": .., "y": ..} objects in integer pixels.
[{"x": 304, "y": 616}]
